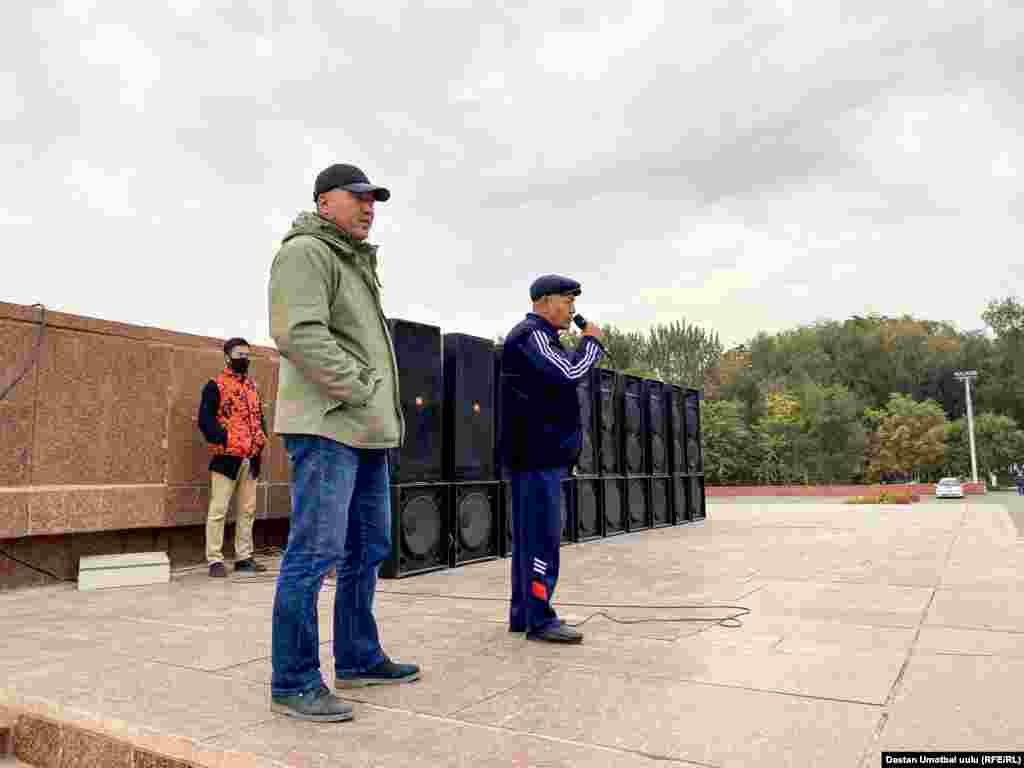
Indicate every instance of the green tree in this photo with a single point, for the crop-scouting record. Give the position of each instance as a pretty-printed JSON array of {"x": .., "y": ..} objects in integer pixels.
[
  {"x": 680, "y": 354},
  {"x": 998, "y": 442},
  {"x": 625, "y": 349},
  {"x": 748, "y": 389},
  {"x": 911, "y": 439},
  {"x": 834, "y": 437},
  {"x": 729, "y": 456}
]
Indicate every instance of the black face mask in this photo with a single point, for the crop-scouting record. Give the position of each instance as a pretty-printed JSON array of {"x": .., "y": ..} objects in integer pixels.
[{"x": 240, "y": 366}]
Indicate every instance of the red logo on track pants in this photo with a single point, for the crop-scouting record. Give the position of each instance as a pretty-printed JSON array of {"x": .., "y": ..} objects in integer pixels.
[{"x": 539, "y": 590}]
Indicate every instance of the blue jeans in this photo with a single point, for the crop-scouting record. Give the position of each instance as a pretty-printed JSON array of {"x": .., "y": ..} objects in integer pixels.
[{"x": 341, "y": 517}]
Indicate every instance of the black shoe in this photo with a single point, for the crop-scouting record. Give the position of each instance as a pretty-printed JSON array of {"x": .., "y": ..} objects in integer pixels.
[
  {"x": 318, "y": 705},
  {"x": 249, "y": 566},
  {"x": 561, "y": 633},
  {"x": 385, "y": 672},
  {"x": 218, "y": 571}
]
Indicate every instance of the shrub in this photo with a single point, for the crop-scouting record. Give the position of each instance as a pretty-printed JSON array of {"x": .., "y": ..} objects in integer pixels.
[{"x": 886, "y": 497}]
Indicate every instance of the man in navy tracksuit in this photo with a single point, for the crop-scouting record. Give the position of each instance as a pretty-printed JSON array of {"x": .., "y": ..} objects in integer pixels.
[{"x": 540, "y": 439}]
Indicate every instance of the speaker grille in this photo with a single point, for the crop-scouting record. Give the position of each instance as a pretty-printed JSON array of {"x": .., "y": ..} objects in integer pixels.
[
  {"x": 469, "y": 407},
  {"x": 587, "y": 510},
  {"x": 680, "y": 499},
  {"x": 506, "y": 518},
  {"x": 419, "y": 529},
  {"x": 420, "y": 379},
  {"x": 657, "y": 427},
  {"x": 633, "y": 425},
  {"x": 638, "y": 505},
  {"x": 698, "y": 510},
  {"x": 567, "y": 511},
  {"x": 476, "y": 521},
  {"x": 677, "y": 429},
  {"x": 608, "y": 421},
  {"x": 587, "y": 463},
  {"x": 661, "y": 501},
  {"x": 694, "y": 452},
  {"x": 613, "y": 491}
]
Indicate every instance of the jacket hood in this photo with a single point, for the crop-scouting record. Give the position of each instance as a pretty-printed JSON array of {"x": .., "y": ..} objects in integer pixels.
[{"x": 315, "y": 225}]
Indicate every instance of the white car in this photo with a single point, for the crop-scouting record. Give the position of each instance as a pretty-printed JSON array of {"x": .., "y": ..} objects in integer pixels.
[{"x": 949, "y": 488}]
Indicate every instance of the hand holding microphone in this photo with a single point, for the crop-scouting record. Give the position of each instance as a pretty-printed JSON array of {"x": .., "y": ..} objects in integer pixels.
[{"x": 588, "y": 328}]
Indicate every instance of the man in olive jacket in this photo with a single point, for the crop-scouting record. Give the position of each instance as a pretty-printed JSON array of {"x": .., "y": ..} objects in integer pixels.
[{"x": 339, "y": 411}]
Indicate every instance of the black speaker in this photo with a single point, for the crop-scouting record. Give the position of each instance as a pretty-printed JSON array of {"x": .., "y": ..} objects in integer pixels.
[
  {"x": 500, "y": 471},
  {"x": 680, "y": 499},
  {"x": 661, "y": 501},
  {"x": 614, "y": 504},
  {"x": 420, "y": 380},
  {"x": 694, "y": 445},
  {"x": 607, "y": 400},
  {"x": 506, "y": 518},
  {"x": 634, "y": 428},
  {"x": 588, "y": 462},
  {"x": 589, "y": 522},
  {"x": 658, "y": 435},
  {"x": 476, "y": 522},
  {"x": 420, "y": 530},
  {"x": 676, "y": 429},
  {"x": 468, "y": 407},
  {"x": 568, "y": 511},
  {"x": 696, "y": 498},
  {"x": 638, "y": 495}
]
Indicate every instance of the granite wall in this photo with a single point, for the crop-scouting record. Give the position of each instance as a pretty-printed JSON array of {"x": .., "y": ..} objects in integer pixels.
[{"x": 102, "y": 435}]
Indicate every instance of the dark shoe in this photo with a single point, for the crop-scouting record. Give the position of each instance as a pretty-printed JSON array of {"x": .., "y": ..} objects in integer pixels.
[
  {"x": 561, "y": 633},
  {"x": 217, "y": 570},
  {"x": 318, "y": 705},
  {"x": 249, "y": 566},
  {"x": 384, "y": 673}
]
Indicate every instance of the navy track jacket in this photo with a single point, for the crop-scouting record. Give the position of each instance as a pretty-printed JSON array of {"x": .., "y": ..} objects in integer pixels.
[{"x": 540, "y": 422}]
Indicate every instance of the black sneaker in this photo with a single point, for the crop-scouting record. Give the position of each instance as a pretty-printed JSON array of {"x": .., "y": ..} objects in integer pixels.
[
  {"x": 318, "y": 705},
  {"x": 384, "y": 673},
  {"x": 561, "y": 633},
  {"x": 218, "y": 571},
  {"x": 249, "y": 566}
]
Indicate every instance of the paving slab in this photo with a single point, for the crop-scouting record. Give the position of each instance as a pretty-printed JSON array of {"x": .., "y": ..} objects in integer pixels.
[{"x": 859, "y": 629}]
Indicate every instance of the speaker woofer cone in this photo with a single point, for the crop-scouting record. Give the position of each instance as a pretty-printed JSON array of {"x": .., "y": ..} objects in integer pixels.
[
  {"x": 421, "y": 526},
  {"x": 586, "y": 508},
  {"x": 475, "y": 520}
]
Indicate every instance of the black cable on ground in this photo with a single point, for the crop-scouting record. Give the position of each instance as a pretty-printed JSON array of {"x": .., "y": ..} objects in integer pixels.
[{"x": 731, "y": 621}]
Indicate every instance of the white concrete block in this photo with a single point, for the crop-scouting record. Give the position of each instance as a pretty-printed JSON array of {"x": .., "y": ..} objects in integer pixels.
[{"x": 128, "y": 570}]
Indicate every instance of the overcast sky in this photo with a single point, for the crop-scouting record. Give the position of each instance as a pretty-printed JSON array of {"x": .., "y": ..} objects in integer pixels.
[{"x": 744, "y": 166}]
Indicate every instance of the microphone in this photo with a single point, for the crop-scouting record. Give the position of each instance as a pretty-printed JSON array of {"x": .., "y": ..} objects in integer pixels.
[{"x": 581, "y": 323}]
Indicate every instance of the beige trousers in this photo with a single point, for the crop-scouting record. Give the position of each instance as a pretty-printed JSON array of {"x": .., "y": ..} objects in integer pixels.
[{"x": 221, "y": 490}]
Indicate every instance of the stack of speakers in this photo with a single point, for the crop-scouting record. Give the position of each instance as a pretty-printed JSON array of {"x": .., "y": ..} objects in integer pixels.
[
  {"x": 445, "y": 493},
  {"x": 641, "y": 465}
]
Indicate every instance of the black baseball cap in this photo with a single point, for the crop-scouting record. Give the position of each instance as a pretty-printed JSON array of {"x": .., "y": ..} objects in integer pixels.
[
  {"x": 548, "y": 284},
  {"x": 348, "y": 177}
]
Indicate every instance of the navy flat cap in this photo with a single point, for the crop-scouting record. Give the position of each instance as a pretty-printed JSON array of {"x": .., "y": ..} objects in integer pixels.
[{"x": 548, "y": 284}]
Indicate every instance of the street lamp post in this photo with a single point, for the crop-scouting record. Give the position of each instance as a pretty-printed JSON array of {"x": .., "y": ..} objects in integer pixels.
[{"x": 965, "y": 377}]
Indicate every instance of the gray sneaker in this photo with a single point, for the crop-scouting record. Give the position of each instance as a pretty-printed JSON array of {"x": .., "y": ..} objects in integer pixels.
[
  {"x": 384, "y": 673},
  {"x": 318, "y": 705}
]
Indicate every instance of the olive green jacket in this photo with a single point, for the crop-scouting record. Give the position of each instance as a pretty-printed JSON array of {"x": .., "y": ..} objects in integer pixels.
[{"x": 338, "y": 375}]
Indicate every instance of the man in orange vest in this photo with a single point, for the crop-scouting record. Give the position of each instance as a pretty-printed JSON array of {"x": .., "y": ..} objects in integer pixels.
[{"x": 231, "y": 420}]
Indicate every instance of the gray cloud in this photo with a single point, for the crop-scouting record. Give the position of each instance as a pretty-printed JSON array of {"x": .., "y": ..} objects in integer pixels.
[{"x": 719, "y": 163}]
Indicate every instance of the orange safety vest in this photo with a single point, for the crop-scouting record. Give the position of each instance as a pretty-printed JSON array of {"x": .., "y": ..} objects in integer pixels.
[{"x": 240, "y": 415}]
